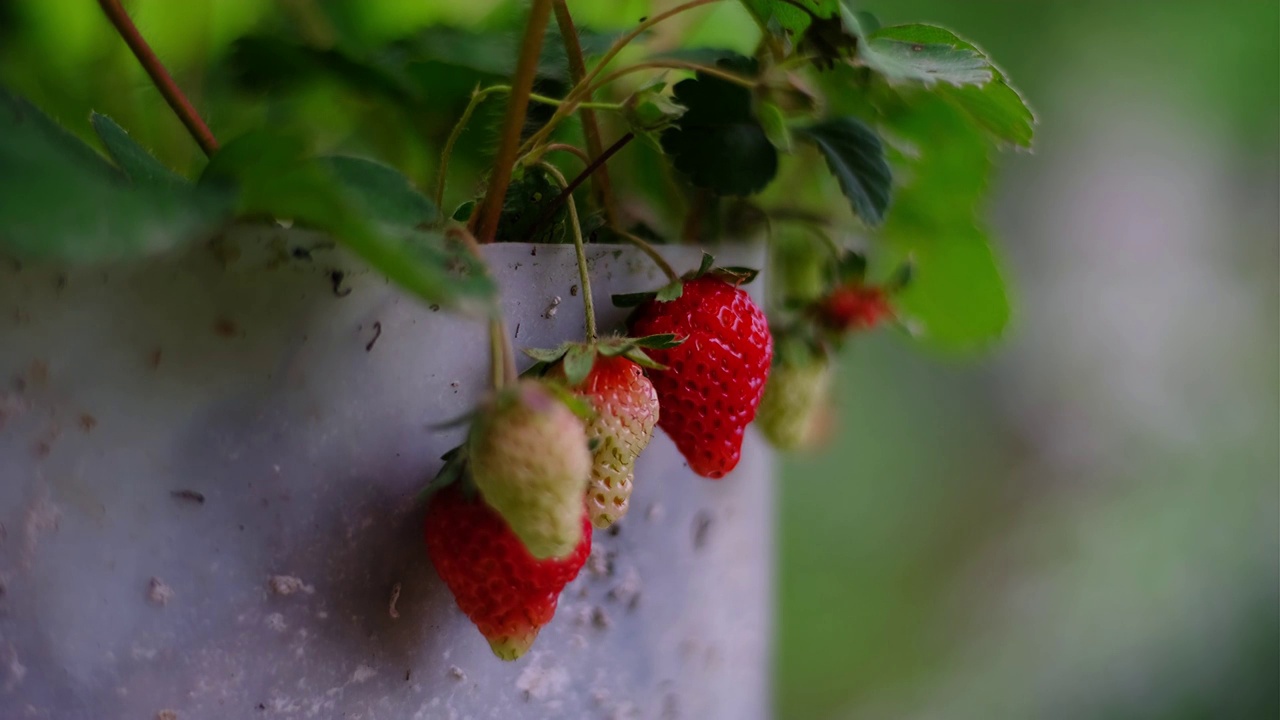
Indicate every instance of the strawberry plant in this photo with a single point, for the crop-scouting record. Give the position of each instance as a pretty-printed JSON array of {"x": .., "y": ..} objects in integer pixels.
[{"x": 858, "y": 153}]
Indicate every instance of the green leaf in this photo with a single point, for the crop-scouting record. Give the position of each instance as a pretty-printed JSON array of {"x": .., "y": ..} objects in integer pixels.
[
  {"x": 138, "y": 165},
  {"x": 578, "y": 362},
  {"x": 990, "y": 102},
  {"x": 856, "y": 157},
  {"x": 273, "y": 176},
  {"x": 957, "y": 296},
  {"x": 462, "y": 213},
  {"x": 705, "y": 264},
  {"x": 664, "y": 341},
  {"x": 670, "y": 291},
  {"x": 925, "y": 62},
  {"x": 62, "y": 202},
  {"x": 791, "y": 17},
  {"x": 624, "y": 300},
  {"x": 641, "y": 358},
  {"x": 524, "y": 210},
  {"x": 718, "y": 143},
  {"x": 383, "y": 193},
  {"x": 546, "y": 355},
  {"x": 775, "y": 126}
]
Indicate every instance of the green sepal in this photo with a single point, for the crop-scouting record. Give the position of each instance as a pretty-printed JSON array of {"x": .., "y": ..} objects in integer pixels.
[
  {"x": 578, "y": 361},
  {"x": 664, "y": 341},
  {"x": 633, "y": 299},
  {"x": 670, "y": 291},
  {"x": 641, "y": 358},
  {"x": 547, "y": 355},
  {"x": 735, "y": 275},
  {"x": 577, "y": 405}
]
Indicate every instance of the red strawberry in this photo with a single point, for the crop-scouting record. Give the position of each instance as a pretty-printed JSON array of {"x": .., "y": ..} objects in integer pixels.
[
  {"x": 506, "y": 592},
  {"x": 854, "y": 307},
  {"x": 712, "y": 387},
  {"x": 626, "y": 406}
]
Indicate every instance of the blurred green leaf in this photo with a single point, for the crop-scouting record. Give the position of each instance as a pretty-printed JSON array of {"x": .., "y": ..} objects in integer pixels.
[
  {"x": 718, "y": 142},
  {"x": 925, "y": 62},
  {"x": 791, "y": 16},
  {"x": 62, "y": 202},
  {"x": 274, "y": 177},
  {"x": 856, "y": 157},
  {"x": 384, "y": 194},
  {"x": 138, "y": 165},
  {"x": 957, "y": 295},
  {"x": 775, "y": 126},
  {"x": 990, "y": 101}
]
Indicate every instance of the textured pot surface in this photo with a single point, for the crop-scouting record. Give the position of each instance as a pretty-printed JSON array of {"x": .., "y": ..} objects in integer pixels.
[{"x": 209, "y": 471}]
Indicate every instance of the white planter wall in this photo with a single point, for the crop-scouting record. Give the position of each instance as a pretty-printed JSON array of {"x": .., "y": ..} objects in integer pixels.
[{"x": 242, "y": 376}]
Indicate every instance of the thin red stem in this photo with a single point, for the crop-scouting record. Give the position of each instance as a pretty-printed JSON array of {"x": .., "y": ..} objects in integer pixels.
[
  {"x": 600, "y": 184},
  {"x": 160, "y": 76},
  {"x": 513, "y": 123},
  {"x": 587, "y": 172}
]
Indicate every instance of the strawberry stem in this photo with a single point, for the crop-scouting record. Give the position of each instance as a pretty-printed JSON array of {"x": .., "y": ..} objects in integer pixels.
[
  {"x": 584, "y": 87},
  {"x": 442, "y": 175},
  {"x": 600, "y": 184},
  {"x": 588, "y": 304},
  {"x": 513, "y": 122},
  {"x": 163, "y": 81},
  {"x": 652, "y": 252}
]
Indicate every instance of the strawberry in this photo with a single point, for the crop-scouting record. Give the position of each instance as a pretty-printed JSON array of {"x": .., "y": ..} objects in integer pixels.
[
  {"x": 715, "y": 378},
  {"x": 795, "y": 401},
  {"x": 626, "y": 407},
  {"x": 528, "y": 456},
  {"x": 505, "y": 591},
  {"x": 854, "y": 307}
]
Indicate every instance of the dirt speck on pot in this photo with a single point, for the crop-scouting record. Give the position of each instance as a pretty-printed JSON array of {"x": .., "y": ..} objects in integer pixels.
[
  {"x": 88, "y": 422},
  {"x": 627, "y": 592},
  {"x": 286, "y": 585},
  {"x": 159, "y": 593},
  {"x": 456, "y": 673},
  {"x": 553, "y": 308},
  {"x": 335, "y": 282},
  {"x": 41, "y": 517},
  {"x": 701, "y": 529},
  {"x": 275, "y": 621},
  {"x": 395, "y": 598},
  {"x": 153, "y": 359},
  {"x": 189, "y": 495},
  {"x": 362, "y": 673},
  {"x": 600, "y": 618},
  {"x": 377, "y": 333},
  {"x": 167, "y": 715},
  {"x": 541, "y": 682}
]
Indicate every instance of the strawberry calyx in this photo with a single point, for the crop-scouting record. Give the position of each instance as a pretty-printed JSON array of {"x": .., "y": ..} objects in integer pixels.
[
  {"x": 734, "y": 276},
  {"x": 578, "y": 358}
]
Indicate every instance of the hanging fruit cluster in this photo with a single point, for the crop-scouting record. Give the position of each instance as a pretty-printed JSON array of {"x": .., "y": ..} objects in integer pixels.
[{"x": 904, "y": 118}]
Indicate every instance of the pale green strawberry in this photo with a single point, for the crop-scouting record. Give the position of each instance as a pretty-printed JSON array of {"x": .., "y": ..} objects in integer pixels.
[
  {"x": 528, "y": 456},
  {"x": 795, "y": 403}
]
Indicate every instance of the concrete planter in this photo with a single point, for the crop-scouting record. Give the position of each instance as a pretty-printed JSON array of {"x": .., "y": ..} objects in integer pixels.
[{"x": 208, "y": 470}]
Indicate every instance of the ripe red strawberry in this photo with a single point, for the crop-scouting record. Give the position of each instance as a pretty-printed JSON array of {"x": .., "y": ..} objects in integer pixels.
[
  {"x": 528, "y": 456},
  {"x": 504, "y": 590},
  {"x": 712, "y": 387},
  {"x": 854, "y": 307},
  {"x": 626, "y": 406}
]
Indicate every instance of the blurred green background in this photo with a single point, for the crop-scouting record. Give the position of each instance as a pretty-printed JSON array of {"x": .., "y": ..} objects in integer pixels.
[{"x": 1082, "y": 523}]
